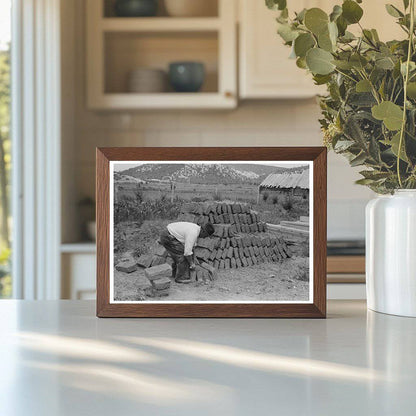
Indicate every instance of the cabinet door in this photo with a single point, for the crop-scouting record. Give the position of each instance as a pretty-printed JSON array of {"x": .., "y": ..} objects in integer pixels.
[{"x": 265, "y": 68}]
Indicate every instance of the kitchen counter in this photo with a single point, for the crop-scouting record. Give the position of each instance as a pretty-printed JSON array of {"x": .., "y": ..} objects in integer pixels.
[{"x": 58, "y": 359}]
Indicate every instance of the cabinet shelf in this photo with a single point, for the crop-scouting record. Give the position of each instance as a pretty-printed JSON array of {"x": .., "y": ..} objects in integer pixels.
[
  {"x": 159, "y": 24},
  {"x": 198, "y": 100}
]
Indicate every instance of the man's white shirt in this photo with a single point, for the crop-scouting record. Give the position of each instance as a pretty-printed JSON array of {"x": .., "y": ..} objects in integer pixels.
[{"x": 185, "y": 232}]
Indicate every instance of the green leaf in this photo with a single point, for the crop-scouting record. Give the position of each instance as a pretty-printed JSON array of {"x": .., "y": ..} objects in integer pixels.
[
  {"x": 385, "y": 63},
  {"x": 412, "y": 67},
  {"x": 394, "y": 145},
  {"x": 342, "y": 25},
  {"x": 363, "y": 86},
  {"x": 325, "y": 43},
  {"x": 319, "y": 61},
  {"x": 333, "y": 32},
  {"x": 343, "y": 65},
  {"x": 358, "y": 61},
  {"x": 381, "y": 89},
  {"x": 411, "y": 90},
  {"x": 388, "y": 112},
  {"x": 336, "y": 12},
  {"x": 375, "y": 35},
  {"x": 364, "y": 181},
  {"x": 351, "y": 11},
  {"x": 361, "y": 99},
  {"x": 284, "y": 14},
  {"x": 316, "y": 20},
  {"x": 396, "y": 71},
  {"x": 321, "y": 79},
  {"x": 301, "y": 63},
  {"x": 374, "y": 175},
  {"x": 348, "y": 37},
  {"x": 374, "y": 150},
  {"x": 301, "y": 15},
  {"x": 286, "y": 32},
  {"x": 393, "y": 11},
  {"x": 343, "y": 145},
  {"x": 303, "y": 43},
  {"x": 358, "y": 160},
  {"x": 283, "y": 17},
  {"x": 276, "y": 4},
  {"x": 368, "y": 36},
  {"x": 354, "y": 131}
]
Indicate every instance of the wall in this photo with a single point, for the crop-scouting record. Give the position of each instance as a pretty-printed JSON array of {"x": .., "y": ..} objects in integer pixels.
[{"x": 256, "y": 123}]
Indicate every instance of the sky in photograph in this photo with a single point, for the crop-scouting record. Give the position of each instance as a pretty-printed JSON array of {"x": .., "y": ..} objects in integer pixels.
[
  {"x": 5, "y": 20},
  {"x": 118, "y": 167}
]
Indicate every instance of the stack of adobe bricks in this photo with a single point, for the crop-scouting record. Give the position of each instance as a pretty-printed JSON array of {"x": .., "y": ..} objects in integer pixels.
[
  {"x": 159, "y": 277},
  {"x": 239, "y": 240},
  {"x": 228, "y": 218}
]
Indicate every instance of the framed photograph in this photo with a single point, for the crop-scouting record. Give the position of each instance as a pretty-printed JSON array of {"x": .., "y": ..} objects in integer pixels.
[{"x": 211, "y": 232}]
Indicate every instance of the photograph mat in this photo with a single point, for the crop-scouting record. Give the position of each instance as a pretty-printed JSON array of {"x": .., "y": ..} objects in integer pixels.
[{"x": 213, "y": 162}]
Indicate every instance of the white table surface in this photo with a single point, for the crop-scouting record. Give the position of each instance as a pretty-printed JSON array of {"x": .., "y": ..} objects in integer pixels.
[{"x": 57, "y": 359}]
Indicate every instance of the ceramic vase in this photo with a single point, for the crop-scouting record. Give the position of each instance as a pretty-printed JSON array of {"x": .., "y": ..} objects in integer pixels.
[{"x": 391, "y": 253}]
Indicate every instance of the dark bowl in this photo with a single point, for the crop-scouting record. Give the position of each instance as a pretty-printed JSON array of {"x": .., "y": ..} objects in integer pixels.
[
  {"x": 186, "y": 76},
  {"x": 136, "y": 8}
]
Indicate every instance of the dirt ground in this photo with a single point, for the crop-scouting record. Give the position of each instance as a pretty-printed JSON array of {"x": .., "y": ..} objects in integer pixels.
[{"x": 286, "y": 281}]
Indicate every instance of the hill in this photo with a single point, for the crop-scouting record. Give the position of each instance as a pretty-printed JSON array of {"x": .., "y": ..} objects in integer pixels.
[{"x": 244, "y": 173}]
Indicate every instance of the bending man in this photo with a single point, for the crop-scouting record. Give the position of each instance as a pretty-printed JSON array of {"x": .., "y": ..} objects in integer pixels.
[{"x": 179, "y": 239}]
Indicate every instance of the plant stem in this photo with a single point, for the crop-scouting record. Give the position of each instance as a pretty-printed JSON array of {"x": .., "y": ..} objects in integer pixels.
[
  {"x": 345, "y": 75},
  {"x": 373, "y": 89},
  {"x": 406, "y": 80}
]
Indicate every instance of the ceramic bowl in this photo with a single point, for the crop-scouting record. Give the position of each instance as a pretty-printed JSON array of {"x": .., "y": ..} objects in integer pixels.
[
  {"x": 186, "y": 76},
  {"x": 136, "y": 8},
  {"x": 147, "y": 80}
]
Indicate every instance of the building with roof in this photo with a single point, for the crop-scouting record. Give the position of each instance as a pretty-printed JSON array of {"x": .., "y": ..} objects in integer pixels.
[{"x": 282, "y": 186}]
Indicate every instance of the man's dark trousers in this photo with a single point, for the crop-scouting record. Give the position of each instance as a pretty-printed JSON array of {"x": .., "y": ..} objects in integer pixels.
[{"x": 176, "y": 250}]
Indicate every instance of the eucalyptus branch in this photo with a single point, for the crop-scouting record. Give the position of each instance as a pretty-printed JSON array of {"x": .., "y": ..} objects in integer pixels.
[
  {"x": 405, "y": 81},
  {"x": 378, "y": 121},
  {"x": 346, "y": 75},
  {"x": 373, "y": 89},
  {"x": 392, "y": 90},
  {"x": 398, "y": 95}
]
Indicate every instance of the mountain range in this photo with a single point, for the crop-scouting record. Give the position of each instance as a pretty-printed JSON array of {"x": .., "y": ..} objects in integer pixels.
[{"x": 241, "y": 173}]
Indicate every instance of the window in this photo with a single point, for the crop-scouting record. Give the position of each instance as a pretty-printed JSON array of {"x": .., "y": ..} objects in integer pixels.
[{"x": 5, "y": 144}]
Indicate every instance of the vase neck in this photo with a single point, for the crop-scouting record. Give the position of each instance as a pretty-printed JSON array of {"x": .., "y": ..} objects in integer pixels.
[{"x": 405, "y": 192}]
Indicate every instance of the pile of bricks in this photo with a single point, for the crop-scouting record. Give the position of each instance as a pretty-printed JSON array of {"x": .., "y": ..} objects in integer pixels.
[
  {"x": 157, "y": 257},
  {"x": 159, "y": 277},
  {"x": 241, "y": 251},
  {"x": 240, "y": 238},
  {"x": 228, "y": 219}
]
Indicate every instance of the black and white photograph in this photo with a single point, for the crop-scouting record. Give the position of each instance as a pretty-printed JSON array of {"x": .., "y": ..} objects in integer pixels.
[{"x": 215, "y": 232}]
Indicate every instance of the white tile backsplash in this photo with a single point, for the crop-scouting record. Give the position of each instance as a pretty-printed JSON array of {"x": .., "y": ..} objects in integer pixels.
[{"x": 271, "y": 123}]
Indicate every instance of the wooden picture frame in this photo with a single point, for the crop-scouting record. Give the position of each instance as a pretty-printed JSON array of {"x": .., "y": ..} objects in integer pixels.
[{"x": 314, "y": 308}]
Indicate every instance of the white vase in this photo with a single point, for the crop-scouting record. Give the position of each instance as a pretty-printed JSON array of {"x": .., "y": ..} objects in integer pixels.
[{"x": 391, "y": 253}]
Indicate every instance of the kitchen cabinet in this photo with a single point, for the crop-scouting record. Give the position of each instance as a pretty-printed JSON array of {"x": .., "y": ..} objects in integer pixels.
[
  {"x": 265, "y": 70},
  {"x": 78, "y": 262},
  {"x": 118, "y": 45}
]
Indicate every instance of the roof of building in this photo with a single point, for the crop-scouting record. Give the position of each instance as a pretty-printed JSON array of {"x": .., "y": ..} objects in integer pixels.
[{"x": 287, "y": 180}]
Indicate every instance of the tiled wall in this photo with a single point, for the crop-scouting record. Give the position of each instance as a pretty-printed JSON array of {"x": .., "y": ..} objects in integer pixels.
[{"x": 265, "y": 123}]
